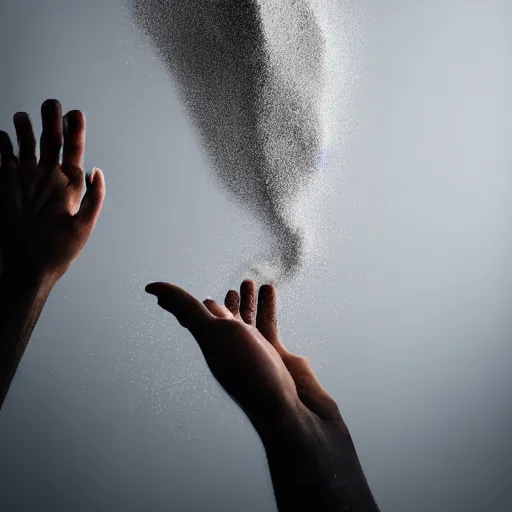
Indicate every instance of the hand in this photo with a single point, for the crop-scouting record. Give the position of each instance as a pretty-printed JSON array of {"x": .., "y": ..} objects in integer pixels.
[
  {"x": 246, "y": 357},
  {"x": 44, "y": 222},
  {"x": 311, "y": 457}
]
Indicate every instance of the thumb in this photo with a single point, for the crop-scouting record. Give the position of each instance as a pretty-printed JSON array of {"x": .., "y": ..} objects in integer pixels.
[
  {"x": 190, "y": 313},
  {"x": 93, "y": 199}
]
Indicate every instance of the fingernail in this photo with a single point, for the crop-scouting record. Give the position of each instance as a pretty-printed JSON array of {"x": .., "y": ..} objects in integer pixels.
[{"x": 90, "y": 176}]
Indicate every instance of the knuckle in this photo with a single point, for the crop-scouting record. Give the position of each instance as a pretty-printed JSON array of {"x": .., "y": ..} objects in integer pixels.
[
  {"x": 73, "y": 171},
  {"x": 303, "y": 361},
  {"x": 299, "y": 364}
]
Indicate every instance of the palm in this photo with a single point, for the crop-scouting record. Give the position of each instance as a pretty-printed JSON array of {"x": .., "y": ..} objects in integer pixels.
[
  {"x": 248, "y": 366},
  {"x": 43, "y": 244}
]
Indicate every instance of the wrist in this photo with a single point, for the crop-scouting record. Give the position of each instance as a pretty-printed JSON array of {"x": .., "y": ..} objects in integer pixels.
[
  {"x": 22, "y": 298},
  {"x": 296, "y": 431},
  {"x": 276, "y": 424},
  {"x": 314, "y": 465},
  {"x": 18, "y": 281}
]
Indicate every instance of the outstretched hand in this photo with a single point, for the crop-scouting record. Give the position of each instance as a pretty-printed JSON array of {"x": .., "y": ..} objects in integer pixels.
[
  {"x": 241, "y": 345},
  {"x": 44, "y": 221},
  {"x": 311, "y": 456}
]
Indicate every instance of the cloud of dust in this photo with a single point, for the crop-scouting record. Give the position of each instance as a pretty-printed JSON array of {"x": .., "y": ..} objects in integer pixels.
[{"x": 251, "y": 74}]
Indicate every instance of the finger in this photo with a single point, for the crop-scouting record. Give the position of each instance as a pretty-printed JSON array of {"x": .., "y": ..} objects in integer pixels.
[
  {"x": 8, "y": 159},
  {"x": 190, "y": 313},
  {"x": 51, "y": 136},
  {"x": 93, "y": 199},
  {"x": 217, "y": 309},
  {"x": 247, "y": 301},
  {"x": 26, "y": 141},
  {"x": 266, "y": 316},
  {"x": 232, "y": 303},
  {"x": 74, "y": 146},
  {"x": 9, "y": 184}
]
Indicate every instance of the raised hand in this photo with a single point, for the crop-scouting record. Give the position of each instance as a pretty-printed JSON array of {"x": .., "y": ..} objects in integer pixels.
[
  {"x": 44, "y": 222},
  {"x": 312, "y": 459}
]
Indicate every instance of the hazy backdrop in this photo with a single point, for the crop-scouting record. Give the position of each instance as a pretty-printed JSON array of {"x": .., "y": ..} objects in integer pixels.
[{"x": 405, "y": 310}]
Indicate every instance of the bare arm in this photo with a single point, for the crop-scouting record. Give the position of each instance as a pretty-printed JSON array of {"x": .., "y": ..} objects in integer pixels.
[
  {"x": 22, "y": 304},
  {"x": 44, "y": 222},
  {"x": 315, "y": 467},
  {"x": 312, "y": 460}
]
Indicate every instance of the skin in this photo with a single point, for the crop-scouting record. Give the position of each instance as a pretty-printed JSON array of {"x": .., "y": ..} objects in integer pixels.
[
  {"x": 44, "y": 221},
  {"x": 311, "y": 456}
]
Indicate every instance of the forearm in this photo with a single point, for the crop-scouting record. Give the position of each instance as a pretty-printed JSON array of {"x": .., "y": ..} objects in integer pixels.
[
  {"x": 21, "y": 303},
  {"x": 315, "y": 469}
]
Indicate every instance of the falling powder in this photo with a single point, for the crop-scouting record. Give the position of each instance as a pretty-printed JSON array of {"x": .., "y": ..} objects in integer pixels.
[{"x": 251, "y": 76}]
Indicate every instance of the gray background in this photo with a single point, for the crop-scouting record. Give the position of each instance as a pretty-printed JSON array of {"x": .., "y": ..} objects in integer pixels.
[{"x": 405, "y": 312}]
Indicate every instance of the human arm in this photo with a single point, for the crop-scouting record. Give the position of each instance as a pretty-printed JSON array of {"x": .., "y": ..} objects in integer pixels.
[
  {"x": 44, "y": 222},
  {"x": 312, "y": 460}
]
